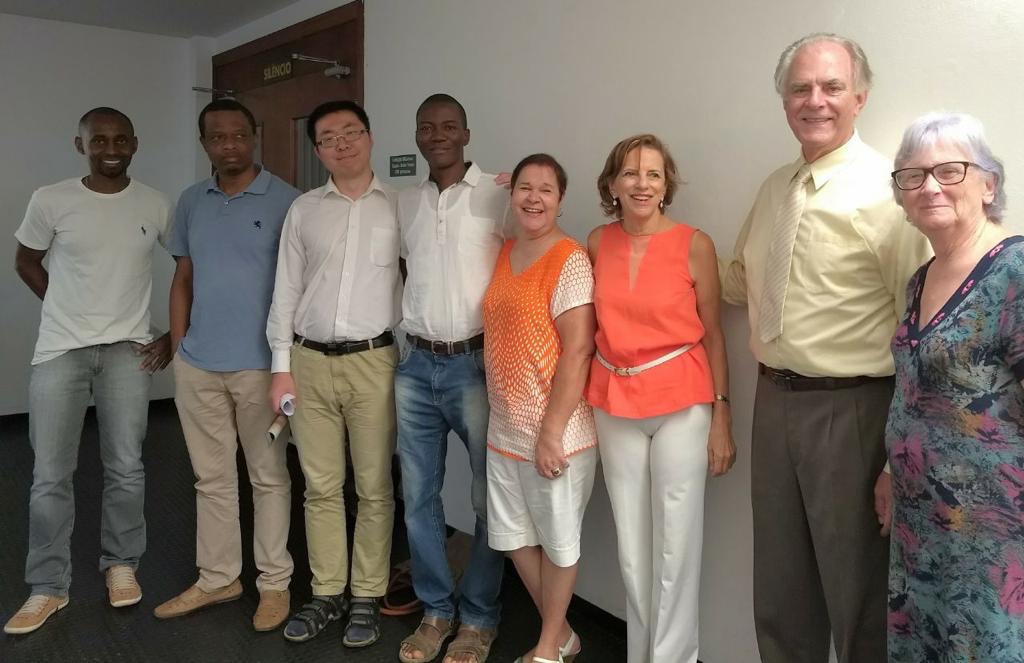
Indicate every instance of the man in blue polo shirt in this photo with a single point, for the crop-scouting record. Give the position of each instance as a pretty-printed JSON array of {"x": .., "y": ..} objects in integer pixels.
[{"x": 225, "y": 240}]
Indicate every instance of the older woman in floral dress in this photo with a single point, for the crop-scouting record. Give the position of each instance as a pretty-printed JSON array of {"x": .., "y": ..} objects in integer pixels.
[{"x": 956, "y": 427}]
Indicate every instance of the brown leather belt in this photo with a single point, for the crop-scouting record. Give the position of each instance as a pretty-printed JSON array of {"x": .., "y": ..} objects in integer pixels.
[
  {"x": 448, "y": 348},
  {"x": 795, "y": 382},
  {"x": 334, "y": 348}
]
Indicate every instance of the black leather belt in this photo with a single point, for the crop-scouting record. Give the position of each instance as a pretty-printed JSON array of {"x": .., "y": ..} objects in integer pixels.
[
  {"x": 347, "y": 347},
  {"x": 449, "y": 348},
  {"x": 795, "y": 382}
]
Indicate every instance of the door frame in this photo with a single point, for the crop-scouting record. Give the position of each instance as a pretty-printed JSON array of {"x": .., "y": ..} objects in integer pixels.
[{"x": 335, "y": 34}]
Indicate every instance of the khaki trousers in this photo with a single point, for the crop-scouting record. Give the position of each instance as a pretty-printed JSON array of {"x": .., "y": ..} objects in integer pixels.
[
  {"x": 353, "y": 393},
  {"x": 820, "y": 564},
  {"x": 217, "y": 411}
]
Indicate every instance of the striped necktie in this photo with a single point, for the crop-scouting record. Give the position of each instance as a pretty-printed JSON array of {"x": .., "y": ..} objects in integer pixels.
[{"x": 780, "y": 256}]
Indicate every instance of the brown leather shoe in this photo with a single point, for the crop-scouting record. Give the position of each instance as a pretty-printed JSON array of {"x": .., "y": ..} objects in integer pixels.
[
  {"x": 193, "y": 599},
  {"x": 273, "y": 609}
]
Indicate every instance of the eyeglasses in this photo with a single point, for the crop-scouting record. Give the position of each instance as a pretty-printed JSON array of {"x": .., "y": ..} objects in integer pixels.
[
  {"x": 346, "y": 137},
  {"x": 950, "y": 172}
]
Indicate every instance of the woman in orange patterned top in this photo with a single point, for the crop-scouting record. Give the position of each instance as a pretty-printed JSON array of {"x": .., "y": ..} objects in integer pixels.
[
  {"x": 659, "y": 385},
  {"x": 541, "y": 456}
]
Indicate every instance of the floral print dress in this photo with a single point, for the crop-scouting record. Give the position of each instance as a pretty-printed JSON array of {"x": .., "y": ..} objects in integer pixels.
[{"x": 956, "y": 446}]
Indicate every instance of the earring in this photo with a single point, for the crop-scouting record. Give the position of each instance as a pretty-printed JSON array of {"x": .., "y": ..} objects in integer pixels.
[
  {"x": 560, "y": 210},
  {"x": 661, "y": 204}
]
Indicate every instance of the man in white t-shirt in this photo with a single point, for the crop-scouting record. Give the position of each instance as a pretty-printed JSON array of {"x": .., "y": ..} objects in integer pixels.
[{"x": 94, "y": 343}]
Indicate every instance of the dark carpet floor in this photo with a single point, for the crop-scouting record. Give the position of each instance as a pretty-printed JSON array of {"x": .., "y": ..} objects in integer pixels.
[{"x": 90, "y": 630}]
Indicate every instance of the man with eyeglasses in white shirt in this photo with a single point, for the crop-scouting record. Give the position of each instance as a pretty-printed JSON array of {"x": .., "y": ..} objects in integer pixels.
[
  {"x": 336, "y": 302},
  {"x": 451, "y": 227}
]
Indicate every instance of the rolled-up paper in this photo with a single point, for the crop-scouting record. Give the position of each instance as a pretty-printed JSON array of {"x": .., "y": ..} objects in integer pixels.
[
  {"x": 287, "y": 404},
  {"x": 280, "y": 421}
]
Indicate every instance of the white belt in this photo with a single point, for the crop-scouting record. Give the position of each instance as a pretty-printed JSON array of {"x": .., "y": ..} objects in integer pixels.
[{"x": 634, "y": 370}]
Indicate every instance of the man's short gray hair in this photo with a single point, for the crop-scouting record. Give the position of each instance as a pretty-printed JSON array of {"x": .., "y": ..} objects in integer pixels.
[
  {"x": 959, "y": 130},
  {"x": 861, "y": 68}
]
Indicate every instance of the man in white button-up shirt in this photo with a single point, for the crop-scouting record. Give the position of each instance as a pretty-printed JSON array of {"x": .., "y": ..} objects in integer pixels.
[
  {"x": 336, "y": 302},
  {"x": 451, "y": 234}
]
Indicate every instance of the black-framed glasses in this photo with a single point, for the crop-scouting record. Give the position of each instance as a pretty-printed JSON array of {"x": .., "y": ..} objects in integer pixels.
[
  {"x": 950, "y": 172},
  {"x": 349, "y": 136}
]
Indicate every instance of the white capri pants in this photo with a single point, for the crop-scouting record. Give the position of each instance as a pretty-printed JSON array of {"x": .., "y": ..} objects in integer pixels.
[
  {"x": 655, "y": 470},
  {"x": 526, "y": 509}
]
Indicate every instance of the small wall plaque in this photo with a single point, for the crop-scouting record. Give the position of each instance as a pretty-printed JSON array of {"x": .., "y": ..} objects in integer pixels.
[{"x": 403, "y": 165}]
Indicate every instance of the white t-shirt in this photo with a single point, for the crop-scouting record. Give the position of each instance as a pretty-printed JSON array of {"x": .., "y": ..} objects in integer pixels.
[{"x": 100, "y": 248}]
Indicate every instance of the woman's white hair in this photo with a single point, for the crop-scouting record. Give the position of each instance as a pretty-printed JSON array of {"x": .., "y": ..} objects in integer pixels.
[{"x": 959, "y": 130}]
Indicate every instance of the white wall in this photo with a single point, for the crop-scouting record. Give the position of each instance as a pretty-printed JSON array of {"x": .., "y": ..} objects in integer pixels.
[
  {"x": 282, "y": 18},
  {"x": 573, "y": 77},
  {"x": 52, "y": 72},
  {"x": 570, "y": 78},
  {"x": 201, "y": 51}
]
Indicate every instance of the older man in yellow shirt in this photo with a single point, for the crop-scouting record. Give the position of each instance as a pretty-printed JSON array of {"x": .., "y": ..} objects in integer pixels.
[{"x": 822, "y": 263}]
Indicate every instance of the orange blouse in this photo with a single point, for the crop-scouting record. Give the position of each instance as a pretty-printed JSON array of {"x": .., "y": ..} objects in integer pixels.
[
  {"x": 638, "y": 325},
  {"x": 522, "y": 347}
]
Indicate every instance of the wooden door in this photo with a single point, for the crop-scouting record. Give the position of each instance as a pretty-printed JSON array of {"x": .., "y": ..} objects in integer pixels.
[{"x": 281, "y": 91}]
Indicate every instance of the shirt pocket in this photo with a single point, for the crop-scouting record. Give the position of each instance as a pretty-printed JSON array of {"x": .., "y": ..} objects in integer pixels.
[
  {"x": 834, "y": 264},
  {"x": 384, "y": 246}
]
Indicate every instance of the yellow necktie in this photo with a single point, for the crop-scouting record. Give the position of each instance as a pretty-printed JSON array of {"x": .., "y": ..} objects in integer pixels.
[{"x": 780, "y": 256}]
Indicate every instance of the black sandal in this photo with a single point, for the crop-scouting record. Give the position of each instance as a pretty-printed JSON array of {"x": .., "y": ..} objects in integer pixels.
[
  {"x": 363, "y": 628},
  {"x": 313, "y": 617}
]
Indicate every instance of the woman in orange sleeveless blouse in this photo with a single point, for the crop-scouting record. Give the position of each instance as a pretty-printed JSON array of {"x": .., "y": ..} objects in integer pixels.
[
  {"x": 541, "y": 455},
  {"x": 659, "y": 386}
]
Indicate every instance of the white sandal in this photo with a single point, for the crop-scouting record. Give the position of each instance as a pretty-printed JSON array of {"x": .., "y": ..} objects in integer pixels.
[{"x": 566, "y": 650}]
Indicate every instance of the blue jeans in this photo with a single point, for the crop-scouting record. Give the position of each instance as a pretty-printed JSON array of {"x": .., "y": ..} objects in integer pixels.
[
  {"x": 434, "y": 395},
  {"x": 59, "y": 393}
]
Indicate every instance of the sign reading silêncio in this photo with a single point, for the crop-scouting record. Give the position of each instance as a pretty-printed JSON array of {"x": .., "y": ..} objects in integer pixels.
[
  {"x": 277, "y": 70},
  {"x": 403, "y": 165}
]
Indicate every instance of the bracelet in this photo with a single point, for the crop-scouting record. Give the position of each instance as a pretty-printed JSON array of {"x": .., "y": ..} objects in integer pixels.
[{"x": 722, "y": 397}]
